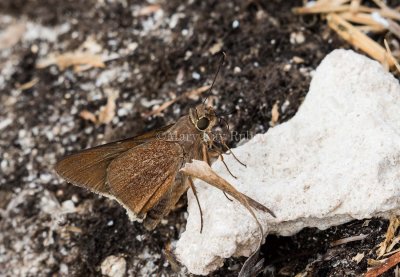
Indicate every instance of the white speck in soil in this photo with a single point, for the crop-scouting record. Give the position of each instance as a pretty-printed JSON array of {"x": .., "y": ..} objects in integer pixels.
[{"x": 196, "y": 76}]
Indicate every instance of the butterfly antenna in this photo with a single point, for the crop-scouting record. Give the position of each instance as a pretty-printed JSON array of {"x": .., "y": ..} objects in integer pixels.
[
  {"x": 226, "y": 122},
  {"x": 227, "y": 113},
  {"x": 216, "y": 75}
]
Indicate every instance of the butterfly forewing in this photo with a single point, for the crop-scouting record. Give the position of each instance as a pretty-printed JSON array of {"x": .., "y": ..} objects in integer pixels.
[
  {"x": 88, "y": 168},
  {"x": 141, "y": 176}
]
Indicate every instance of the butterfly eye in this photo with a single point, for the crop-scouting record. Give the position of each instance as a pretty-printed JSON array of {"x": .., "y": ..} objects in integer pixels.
[{"x": 203, "y": 123}]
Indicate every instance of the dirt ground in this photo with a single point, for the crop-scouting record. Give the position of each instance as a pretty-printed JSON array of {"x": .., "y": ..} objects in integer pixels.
[{"x": 51, "y": 228}]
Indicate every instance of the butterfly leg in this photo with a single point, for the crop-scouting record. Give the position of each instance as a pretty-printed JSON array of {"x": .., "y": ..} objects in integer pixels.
[
  {"x": 198, "y": 202},
  {"x": 231, "y": 152},
  {"x": 219, "y": 154},
  {"x": 205, "y": 154}
]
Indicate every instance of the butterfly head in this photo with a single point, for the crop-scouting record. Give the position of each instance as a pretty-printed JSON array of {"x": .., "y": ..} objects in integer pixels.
[{"x": 203, "y": 117}]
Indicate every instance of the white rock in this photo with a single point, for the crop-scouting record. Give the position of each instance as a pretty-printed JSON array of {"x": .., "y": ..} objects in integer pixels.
[
  {"x": 336, "y": 160},
  {"x": 113, "y": 266}
]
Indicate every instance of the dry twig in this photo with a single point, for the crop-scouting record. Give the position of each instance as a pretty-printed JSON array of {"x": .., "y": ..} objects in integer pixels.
[{"x": 349, "y": 239}]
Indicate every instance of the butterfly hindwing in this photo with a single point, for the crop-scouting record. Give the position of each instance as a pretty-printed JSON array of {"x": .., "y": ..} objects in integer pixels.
[
  {"x": 88, "y": 168},
  {"x": 141, "y": 176}
]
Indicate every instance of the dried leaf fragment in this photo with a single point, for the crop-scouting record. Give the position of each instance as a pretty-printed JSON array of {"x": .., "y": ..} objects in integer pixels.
[
  {"x": 148, "y": 10},
  {"x": 274, "y": 114},
  {"x": 86, "y": 115},
  {"x": 358, "y": 258},
  {"x": 10, "y": 36},
  {"x": 80, "y": 60},
  {"x": 107, "y": 112}
]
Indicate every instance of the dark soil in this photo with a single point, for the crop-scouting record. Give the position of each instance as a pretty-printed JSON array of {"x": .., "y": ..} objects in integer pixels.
[{"x": 172, "y": 56}]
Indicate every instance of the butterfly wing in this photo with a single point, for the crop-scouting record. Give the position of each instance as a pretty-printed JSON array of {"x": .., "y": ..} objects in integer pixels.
[
  {"x": 140, "y": 177},
  {"x": 88, "y": 168}
]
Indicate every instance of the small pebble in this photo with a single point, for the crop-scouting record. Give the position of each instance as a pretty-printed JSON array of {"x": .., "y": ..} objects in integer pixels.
[
  {"x": 297, "y": 38},
  {"x": 113, "y": 266},
  {"x": 235, "y": 24},
  {"x": 196, "y": 76},
  {"x": 237, "y": 70}
]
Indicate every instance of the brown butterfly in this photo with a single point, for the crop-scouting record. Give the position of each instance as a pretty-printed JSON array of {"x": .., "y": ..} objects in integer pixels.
[
  {"x": 148, "y": 174},
  {"x": 143, "y": 173}
]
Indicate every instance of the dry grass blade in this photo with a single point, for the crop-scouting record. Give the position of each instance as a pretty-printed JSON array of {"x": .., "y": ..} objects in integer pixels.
[
  {"x": 393, "y": 226},
  {"x": 358, "y": 39},
  {"x": 391, "y": 57},
  {"x": 394, "y": 27},
  {"x": 341, "y": 14},
  {"x": 188, "y": 94},
  {"x": 391, "y": 252},
  {"x": 29, "y": 84},
  {"x": 323, "y": 7},
  {"x": 388, "y": 264},
  {"x": 365, "y": 19}
]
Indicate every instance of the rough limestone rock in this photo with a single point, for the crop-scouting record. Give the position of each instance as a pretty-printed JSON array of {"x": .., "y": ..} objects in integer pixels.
[{"x": 336, "y": 160}]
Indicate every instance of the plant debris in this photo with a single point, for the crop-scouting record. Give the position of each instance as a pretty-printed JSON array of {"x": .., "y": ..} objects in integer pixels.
[
  {"x": 189, "y": 94},
  {"x": 352, "y": 21},
  {"x": 106, "y": 112},
  {"x": 390, "y": 234},
  {"x": 79, "y": 60},
  {"x": 385, "y": 266}
]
